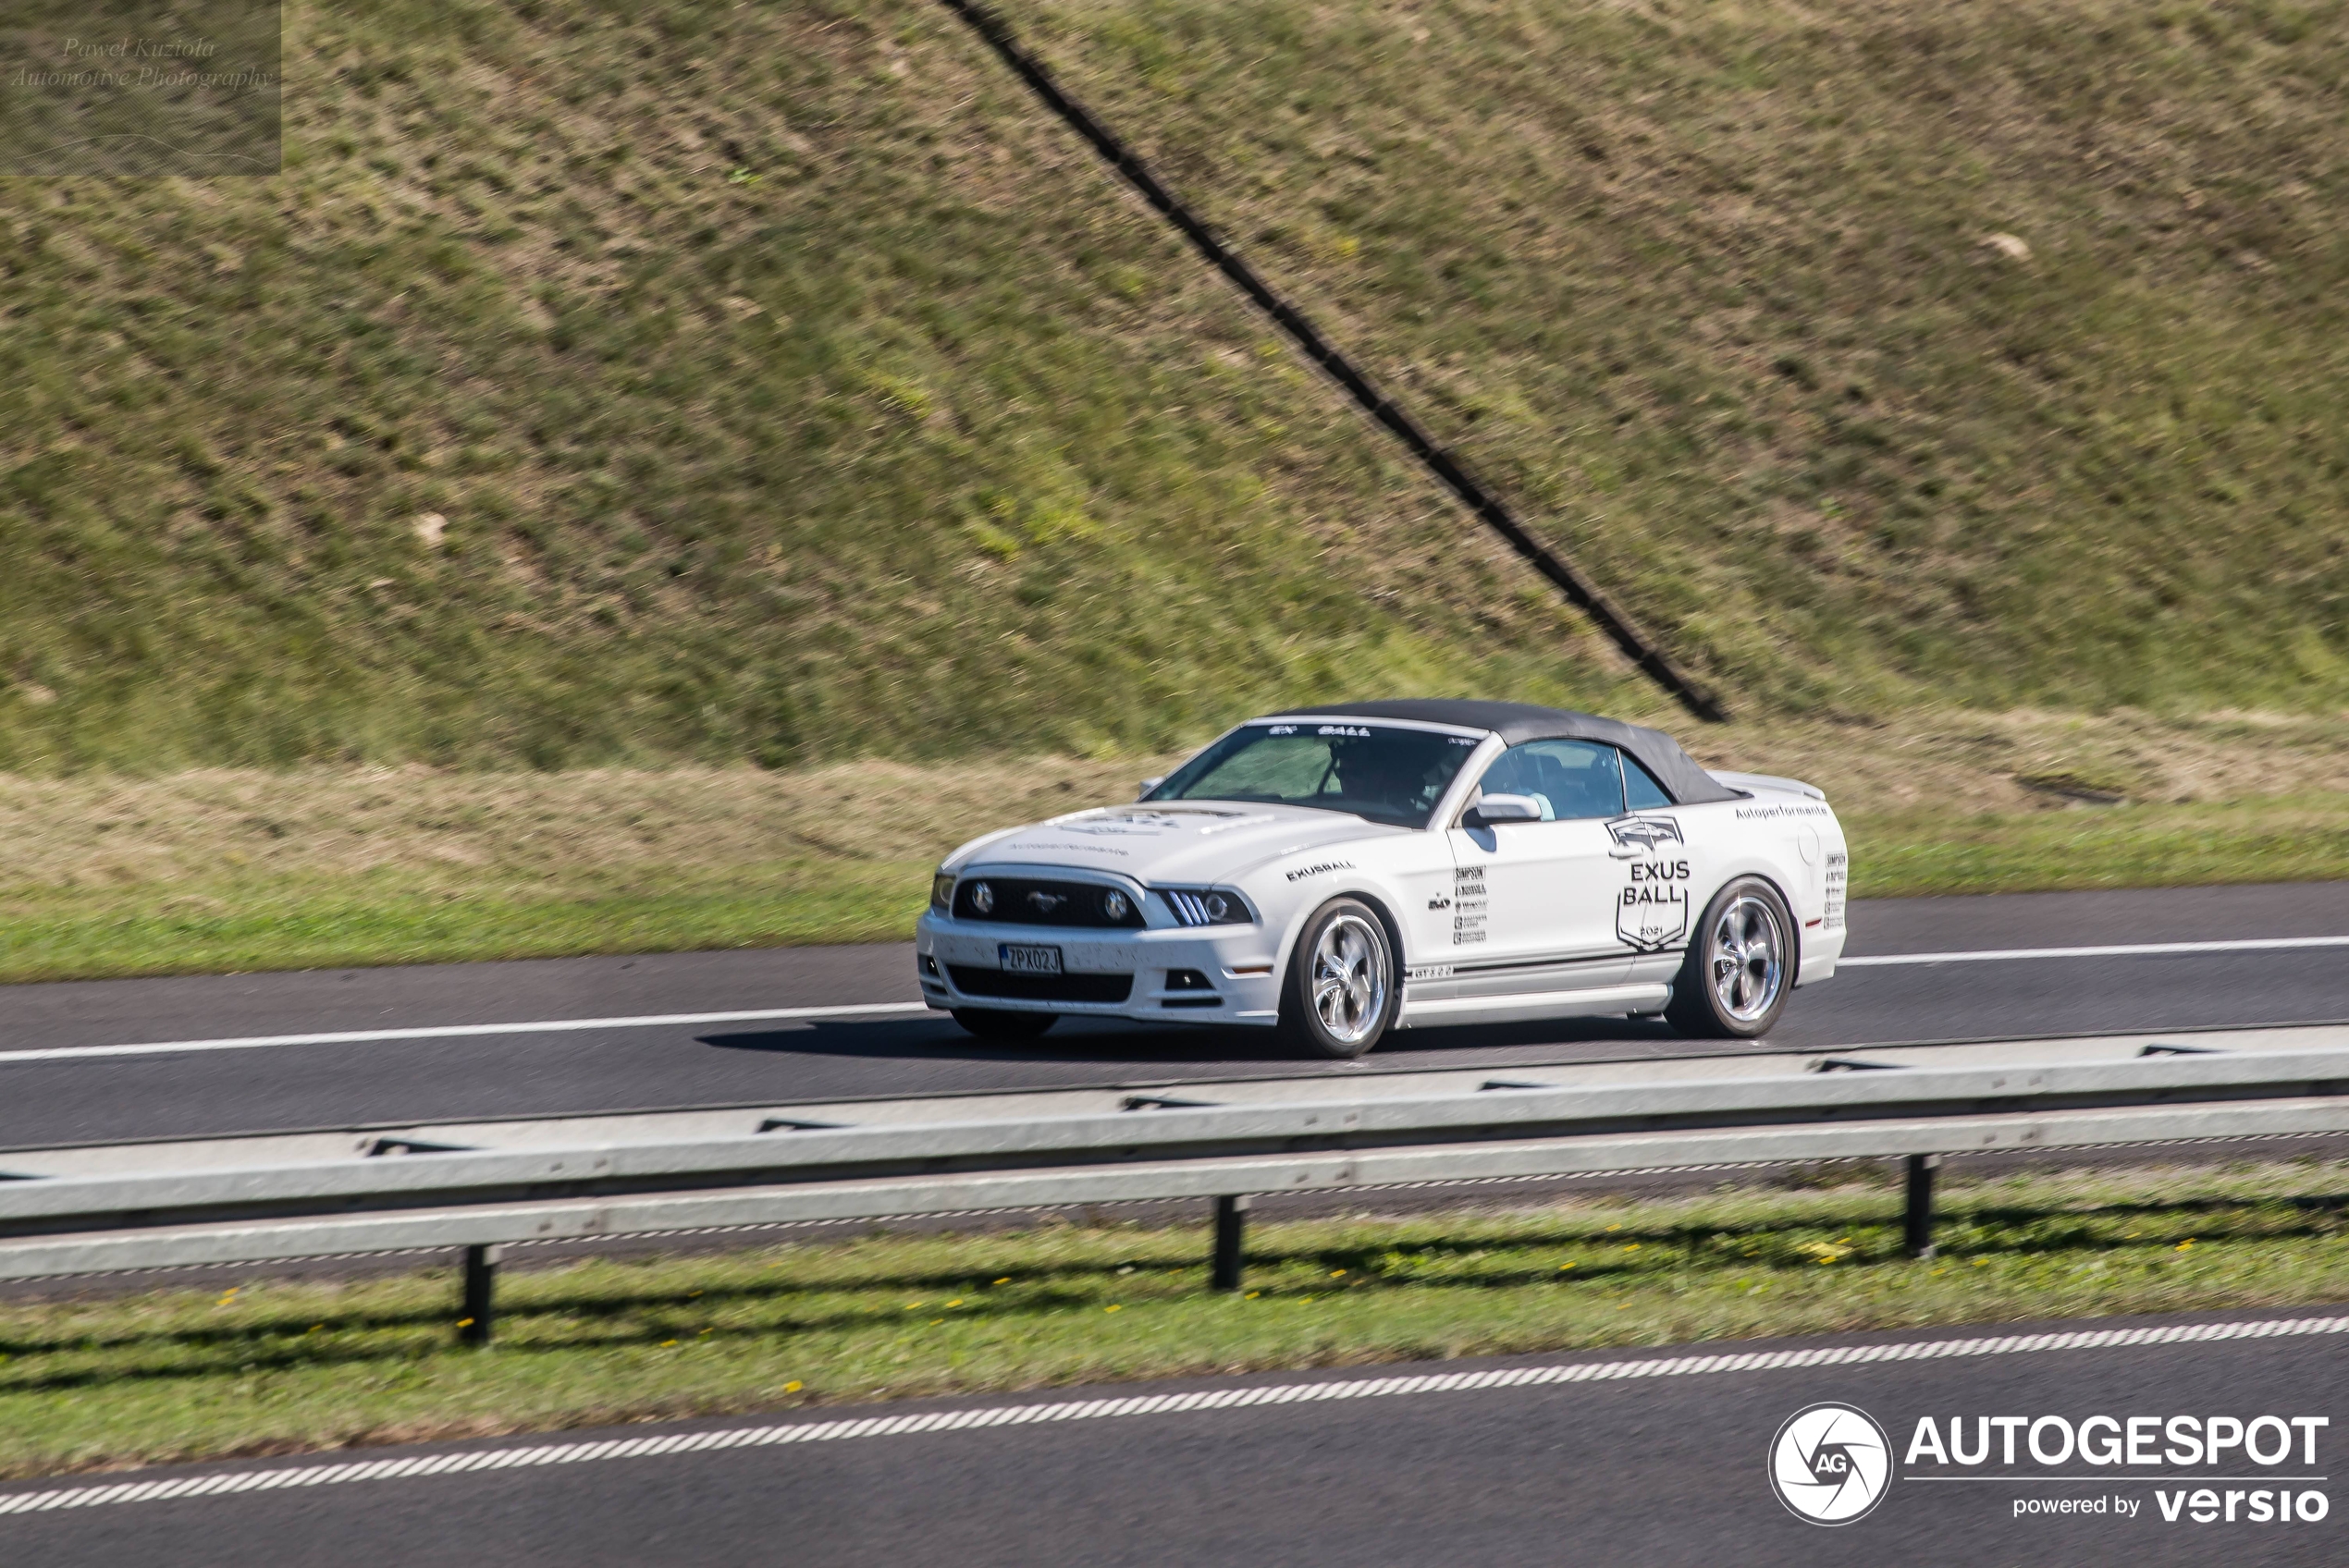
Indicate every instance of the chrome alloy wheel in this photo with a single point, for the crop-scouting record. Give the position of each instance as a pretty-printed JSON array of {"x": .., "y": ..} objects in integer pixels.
[
  {"x": 1348, "y": 979},
  {"x": 1747, "y": 958}
]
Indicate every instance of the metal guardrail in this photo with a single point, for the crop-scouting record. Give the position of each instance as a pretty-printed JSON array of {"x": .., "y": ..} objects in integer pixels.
[{"x": 480, "y": 1185}]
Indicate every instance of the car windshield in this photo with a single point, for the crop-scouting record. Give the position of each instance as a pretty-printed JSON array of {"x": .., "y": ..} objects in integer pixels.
[{"x": 1390, "y": 776}]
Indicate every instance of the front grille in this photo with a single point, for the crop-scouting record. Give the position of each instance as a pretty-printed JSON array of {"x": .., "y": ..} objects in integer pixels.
[
  {"x": 1040, "y": 987},
  {"x": 1021, "y": 900}
]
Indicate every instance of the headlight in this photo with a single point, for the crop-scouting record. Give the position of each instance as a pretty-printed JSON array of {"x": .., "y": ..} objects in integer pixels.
[
  {"x": 942, "y": 891},
  {"x": 1208, "y": 906}
]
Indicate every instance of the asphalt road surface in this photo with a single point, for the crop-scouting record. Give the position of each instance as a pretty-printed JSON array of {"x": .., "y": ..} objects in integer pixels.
[
  {"x": 1666, "y": 1467},
  {"x": 60, "y": 1082}
]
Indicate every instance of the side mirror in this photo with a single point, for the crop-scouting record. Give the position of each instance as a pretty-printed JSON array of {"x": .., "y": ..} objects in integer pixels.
[
  {"x": 1493, "y": 810},
  {"x": 1150, "y": 784}
]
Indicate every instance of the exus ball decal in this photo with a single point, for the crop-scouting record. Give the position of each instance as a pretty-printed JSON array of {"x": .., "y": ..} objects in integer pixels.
[
  {"x": 1652, "y": 910},
  {"x": 1642, "y": 835}
]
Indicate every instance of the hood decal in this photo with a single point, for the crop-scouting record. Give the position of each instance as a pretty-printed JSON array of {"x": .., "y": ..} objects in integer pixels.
[
  {"x": 1235, "y": 822},
  {"x": 1184, "y": 844},
  {"x": 1136, "y": 824}
]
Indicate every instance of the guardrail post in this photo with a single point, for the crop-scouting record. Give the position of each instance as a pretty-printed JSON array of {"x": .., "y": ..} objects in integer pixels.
[
  {"x": 1231, "y": 1226},
  {"x": 1920, "y": 1218},
  {"x": 481, "y": 1282}
]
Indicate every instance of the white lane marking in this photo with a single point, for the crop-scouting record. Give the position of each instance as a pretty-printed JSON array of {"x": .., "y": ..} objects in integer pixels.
[
  {"x": 2002, "y": 955},
  {"x": 683, "y": 1020},
  {"x": 1156, "y": 1405},
  {"x": 461, "y": 1030}
]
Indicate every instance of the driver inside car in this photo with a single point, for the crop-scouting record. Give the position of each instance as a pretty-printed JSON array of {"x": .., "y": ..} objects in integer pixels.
[{"x": 1385, "y": 774}]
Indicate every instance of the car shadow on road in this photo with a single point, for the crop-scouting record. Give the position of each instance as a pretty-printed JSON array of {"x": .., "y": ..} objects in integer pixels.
[
  {"x": 1117, "y": 1042},
  {"x": 942, "y": 1040}
]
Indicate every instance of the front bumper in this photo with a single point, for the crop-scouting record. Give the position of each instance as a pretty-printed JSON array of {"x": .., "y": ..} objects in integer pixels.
[{"x": 959, "y": 964}]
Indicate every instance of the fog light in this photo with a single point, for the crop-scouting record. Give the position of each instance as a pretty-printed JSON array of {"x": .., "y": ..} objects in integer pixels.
[
  {"x": 983, "y": 899},
  {"x": 1188, "y": 980},
  {"x": 1115, "y": 905}
]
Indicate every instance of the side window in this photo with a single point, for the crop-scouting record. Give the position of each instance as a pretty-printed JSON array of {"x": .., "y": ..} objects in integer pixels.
[
  {"x": 1570, "y": 778},
  {"x": 1640, "y": 791}
]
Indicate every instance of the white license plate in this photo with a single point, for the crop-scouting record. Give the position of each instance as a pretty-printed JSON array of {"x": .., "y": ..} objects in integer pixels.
[{"x": 1020, "y": 959}]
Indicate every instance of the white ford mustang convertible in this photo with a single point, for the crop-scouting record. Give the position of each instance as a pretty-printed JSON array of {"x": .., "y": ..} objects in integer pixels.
[{"x": 1339, "y": 871}]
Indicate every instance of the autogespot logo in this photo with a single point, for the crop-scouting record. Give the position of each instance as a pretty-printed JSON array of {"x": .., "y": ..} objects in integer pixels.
[{"x": 1831, "y": 1464}]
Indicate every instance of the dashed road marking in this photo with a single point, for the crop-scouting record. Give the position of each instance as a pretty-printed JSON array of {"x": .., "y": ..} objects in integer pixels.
[{"x": 410, "y": 1466}]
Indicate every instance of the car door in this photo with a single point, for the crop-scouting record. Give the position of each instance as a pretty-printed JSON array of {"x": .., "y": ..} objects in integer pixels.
[
  {"x": 1535, "y": 903},
  {"x": 1664, "y": 868}
]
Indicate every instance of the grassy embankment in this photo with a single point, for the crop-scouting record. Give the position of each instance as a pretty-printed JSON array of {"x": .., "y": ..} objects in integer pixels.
[
  {"x": 611, "y": 385},
  {"x": 253, "y": 870},
  {"x": 703, "y": 389},
  {"x": 1873, "y": 350},
  {"x": 284, "y": 1366}
]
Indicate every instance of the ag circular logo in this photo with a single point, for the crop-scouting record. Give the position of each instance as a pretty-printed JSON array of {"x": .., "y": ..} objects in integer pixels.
[{"x": 1831, "y": 1464}]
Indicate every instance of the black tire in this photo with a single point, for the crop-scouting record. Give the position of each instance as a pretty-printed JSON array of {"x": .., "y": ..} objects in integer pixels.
[
  {"x": 988, "y": 1023},
  {"x": 1362, "y": 1004},
  {"x": 1740, "y": 965}
]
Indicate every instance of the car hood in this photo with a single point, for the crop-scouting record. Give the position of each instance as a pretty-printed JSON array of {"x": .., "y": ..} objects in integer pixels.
[{"x": 1179, "y": 842}]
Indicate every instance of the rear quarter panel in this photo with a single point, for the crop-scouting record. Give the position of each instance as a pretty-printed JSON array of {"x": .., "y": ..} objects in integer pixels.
[{"x": 1789, "y": 840}]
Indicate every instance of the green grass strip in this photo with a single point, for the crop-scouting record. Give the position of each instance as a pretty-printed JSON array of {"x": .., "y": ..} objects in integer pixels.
[
  {"x": 278, "y": 1366},
  {"x": 2289, "y": 839},
  {"x": 315, "y": 922}
]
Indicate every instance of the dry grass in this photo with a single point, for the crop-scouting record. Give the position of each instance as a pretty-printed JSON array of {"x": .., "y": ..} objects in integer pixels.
[
  {"x": 246, "y": 869},
  {"x": 1967, "y": 763},
  {"x": 489, "y": 832}
]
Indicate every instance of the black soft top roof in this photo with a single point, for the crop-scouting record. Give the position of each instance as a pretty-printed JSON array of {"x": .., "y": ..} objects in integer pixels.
[{"x": 1517, "y": 723}]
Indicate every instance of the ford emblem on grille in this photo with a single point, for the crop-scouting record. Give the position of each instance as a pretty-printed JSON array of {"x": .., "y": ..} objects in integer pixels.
[{"x": 1046, "y": 902}]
